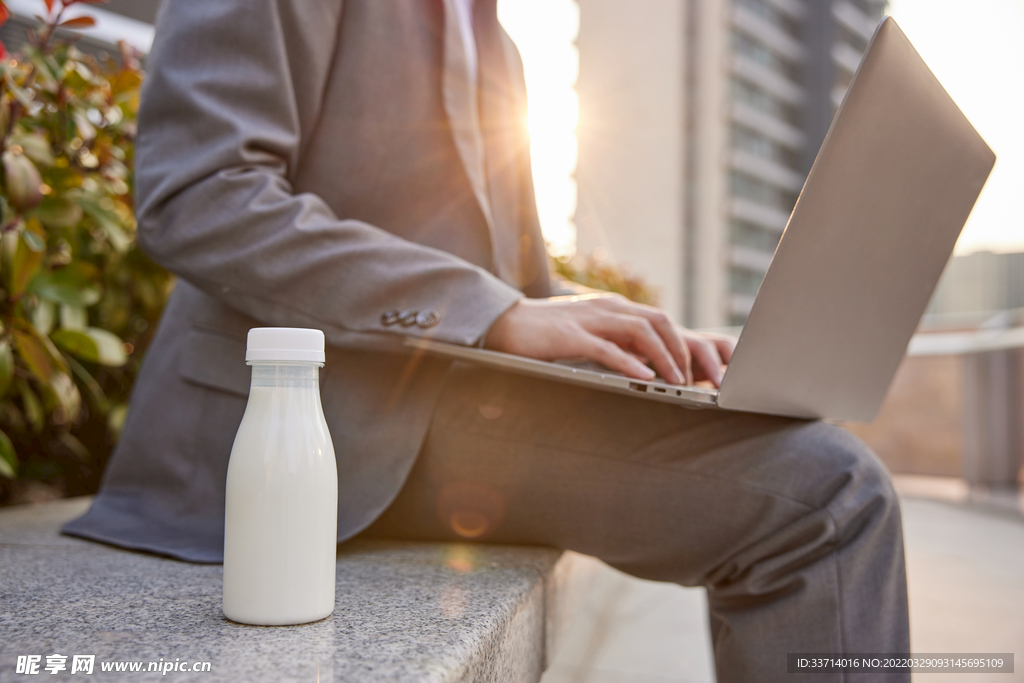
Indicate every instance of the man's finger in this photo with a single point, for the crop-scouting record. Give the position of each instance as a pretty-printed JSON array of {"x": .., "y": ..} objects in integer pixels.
[
  {"x": 666, "y": 331},
  {"x": 638, "y": 333},
  {"x": 609, "y": 354},
  {"x": 707, "y": 358},
  {"x": 725, "y": 346},
  {"x": 673, "y": 342}
]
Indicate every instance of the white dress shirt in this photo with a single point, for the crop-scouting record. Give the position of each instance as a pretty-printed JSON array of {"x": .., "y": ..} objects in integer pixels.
[{"x": 464, "y": 10}]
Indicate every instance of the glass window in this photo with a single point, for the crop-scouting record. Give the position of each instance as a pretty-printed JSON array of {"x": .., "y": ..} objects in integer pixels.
[
  {"x": 756, "y": 190},
  {"x": 761, "y": 99},
  {"x": 755, "y": 51},
  {"x": 744, "y": 234},
  {"x": 743, "y": 281},
  {"x": 771, "y": 16},
  {"x": 755, "y": 143}
]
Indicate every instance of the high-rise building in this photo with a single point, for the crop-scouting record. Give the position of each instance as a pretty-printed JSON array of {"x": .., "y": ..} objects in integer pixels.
[{"x": 699, "y": 120}]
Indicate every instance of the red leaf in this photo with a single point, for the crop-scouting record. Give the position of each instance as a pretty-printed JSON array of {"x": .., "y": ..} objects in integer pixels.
[
  {"x": 3, "y": 52},
  {"x": 49, "y": 6},
  {"x": 4, "y": 13},
  {"x": 78, "y": 22}
]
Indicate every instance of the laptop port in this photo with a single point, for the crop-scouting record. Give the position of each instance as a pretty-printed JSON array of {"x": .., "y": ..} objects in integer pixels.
[{"x": 642, "y": 388}]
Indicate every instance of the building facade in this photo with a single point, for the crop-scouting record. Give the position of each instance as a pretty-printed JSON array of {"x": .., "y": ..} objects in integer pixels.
[{"x": 699, "y": 120}]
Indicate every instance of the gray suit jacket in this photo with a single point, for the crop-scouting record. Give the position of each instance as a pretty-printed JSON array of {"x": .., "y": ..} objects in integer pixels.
[{"x": 309, "y": 163}]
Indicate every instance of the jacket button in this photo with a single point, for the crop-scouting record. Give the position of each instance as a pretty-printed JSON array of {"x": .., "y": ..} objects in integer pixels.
[
  {"x": 390, "y": 318},
  {"x": 407, "y": 318},
  {"x": 428, "y": 318}
]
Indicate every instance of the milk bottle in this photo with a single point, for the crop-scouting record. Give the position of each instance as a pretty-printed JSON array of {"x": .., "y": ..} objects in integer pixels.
[{"x": 281, "y": 518}]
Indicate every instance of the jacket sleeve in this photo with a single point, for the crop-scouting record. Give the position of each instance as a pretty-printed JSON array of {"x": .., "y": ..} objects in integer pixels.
[{"x": 232, "y": 92}]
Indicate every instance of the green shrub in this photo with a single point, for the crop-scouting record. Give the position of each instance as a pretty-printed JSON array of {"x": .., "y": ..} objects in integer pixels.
[
  {"x": 601, "y": 274},
  {"x": 78, "y": 300}
]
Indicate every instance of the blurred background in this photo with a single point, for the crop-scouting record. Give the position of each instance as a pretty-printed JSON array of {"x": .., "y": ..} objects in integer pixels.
[{"x": 670, "y": 140}]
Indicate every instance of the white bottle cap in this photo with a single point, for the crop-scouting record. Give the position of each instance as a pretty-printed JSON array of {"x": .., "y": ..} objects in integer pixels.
[{"x": 296, "y": 344}]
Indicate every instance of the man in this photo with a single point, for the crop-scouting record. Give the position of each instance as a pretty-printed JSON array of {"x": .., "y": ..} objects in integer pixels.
[{"x": 360, "y": 167}]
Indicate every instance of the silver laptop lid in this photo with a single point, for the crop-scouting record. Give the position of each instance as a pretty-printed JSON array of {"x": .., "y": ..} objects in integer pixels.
[{"x": 875, "y": 224}]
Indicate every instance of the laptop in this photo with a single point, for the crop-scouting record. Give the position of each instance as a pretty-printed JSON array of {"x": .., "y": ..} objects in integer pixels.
[{"x": 879, "y": 214}]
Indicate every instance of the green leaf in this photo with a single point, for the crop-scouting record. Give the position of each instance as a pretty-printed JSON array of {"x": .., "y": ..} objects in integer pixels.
[
  {"x": 86, "y": 130},
  {"x": 96, "y": 394},
  {"x": 58, "y": 212},
  {"x": 31, "y": 406},
  {"x": 73, "y": 80},
  {"x": 34, "y": 241},
  {"x": 24, "y": 266},
  {"x": 115, "y": 419},
  {"x": 34, "y": 354},
  {"x": 111, "y": 348},
  {"x": 21, "y": 94},
  {"x": 6, "y": 366},
  {"x": 109, "y": 222},
  {"x": 76, "y": 447},
  {"x": 36, "y": 147},
  {"x": 117, "y": 236},
  {"x": 56, "y": 358},
  {"x": 8, "y": 458},
  {"x": 9, "y": 248},
  {"x": 127, "y": 83},
  {"x": 72, "y": 285},
  {"x": 78, "y": 344},
  {"x": 73, "y": 317},
  {"x": 44, "y": 74},
  {"x": 84, "y": 71},
  {"x": 44, "y": 316},
  {"x": 67, "y": 393}
]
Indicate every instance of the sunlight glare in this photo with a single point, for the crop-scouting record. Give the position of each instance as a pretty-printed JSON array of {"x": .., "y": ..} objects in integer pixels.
[{"x": 545, "y": 31}]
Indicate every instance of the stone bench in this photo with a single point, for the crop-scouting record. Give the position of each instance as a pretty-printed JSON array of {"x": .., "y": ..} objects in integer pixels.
[{"x": 405, "y": 611}]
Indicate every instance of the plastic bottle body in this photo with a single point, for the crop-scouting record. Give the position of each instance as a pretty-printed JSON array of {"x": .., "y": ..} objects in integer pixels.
[{"x": 281, "y": 515}]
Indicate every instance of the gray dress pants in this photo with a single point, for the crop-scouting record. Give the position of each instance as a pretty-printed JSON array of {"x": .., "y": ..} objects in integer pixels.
[{"x": 792, "y": 526}]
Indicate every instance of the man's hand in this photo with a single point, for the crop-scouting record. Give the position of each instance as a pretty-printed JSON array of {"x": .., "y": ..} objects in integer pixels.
[{"x": 613, "y": 331}]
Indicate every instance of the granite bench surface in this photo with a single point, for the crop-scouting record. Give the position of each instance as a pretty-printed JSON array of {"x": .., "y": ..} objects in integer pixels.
[{"x": 404, "y": 612}]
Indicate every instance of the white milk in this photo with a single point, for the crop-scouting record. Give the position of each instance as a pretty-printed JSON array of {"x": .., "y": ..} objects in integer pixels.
[{"x": 281, "y": 516}]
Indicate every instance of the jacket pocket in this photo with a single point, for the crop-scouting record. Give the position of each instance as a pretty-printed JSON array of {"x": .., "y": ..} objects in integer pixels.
[{"x": 212, "y": 360}]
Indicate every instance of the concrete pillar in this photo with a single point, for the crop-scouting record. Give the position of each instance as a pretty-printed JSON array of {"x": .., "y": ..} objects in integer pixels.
[
  {"x": 707, "y": 196},
  {"x": 630, "y": 169},
  {"x": 993, "y": 422}
]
